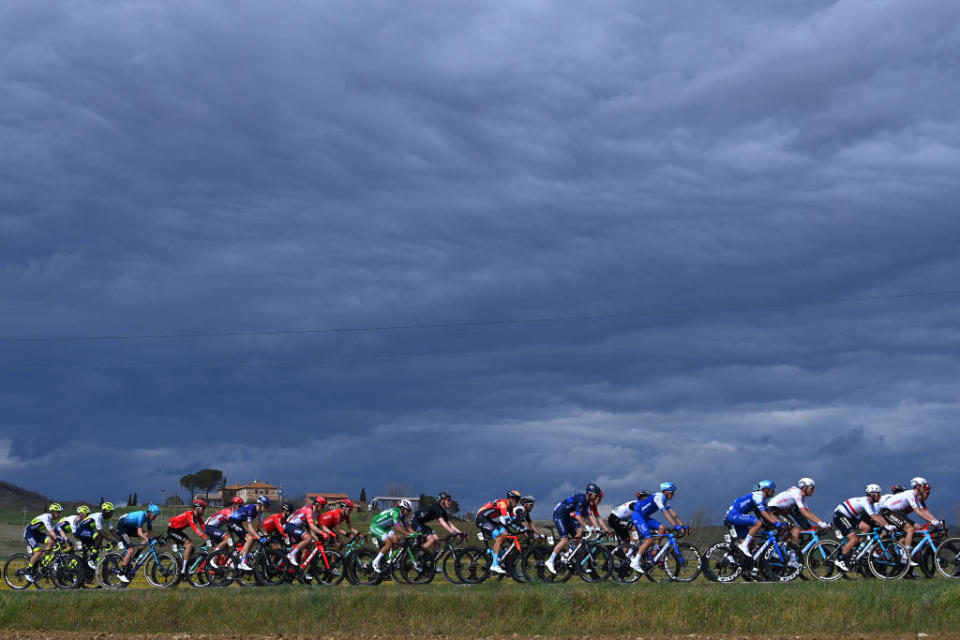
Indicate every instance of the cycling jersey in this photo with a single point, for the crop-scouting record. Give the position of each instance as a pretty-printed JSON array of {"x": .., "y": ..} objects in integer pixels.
[
  {"x": 495, "y": 509},
  {"x": 903, "y": 503},
  {"x": 42, "y": 521},
  {"x": 624, "y": 511},
  {"x": 186, "y": 519},
  {"x": 274, "y": 524},
  {"x": 652, "y": 504},
  {"x": 432, "y": 512},
  {"x": 219, "y": 518},
  {"x": 246, "y": 513},
  {"x": 521, "y": 518},
  {"x": 68, "y": 524},
  {"x": 302, "y": 516},
  {"x": 334, "y": 517},
  {"x": 136, "y": 520},
  {"x": 389, "y": 518},
  {"x": 754, "y": 502},
  {"x": 35, "y": 533},
  {"x": 86, "y": 527},
  {"x": 576, "y": 504},
  {"x": 789, "y": 498},
  {"x": 858, "y": 507}
]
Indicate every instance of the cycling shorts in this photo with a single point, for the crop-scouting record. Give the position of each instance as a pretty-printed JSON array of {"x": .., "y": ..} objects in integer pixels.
[
  {"x": 177, "y": 535},
  {"x": 566, "y": 525},
  {"x": 216, "y": 533},
  {"x": 86, "y": 536},
  {"x": 897, "y": 519},
  {"x": 845, "y": 524},
  {"x": 127, "y": 533},
  {"x": 294, "y": 531},
  {"x": 380, "y": 533},
  {"x": 620, "y": 527},
  {"x": 236, "y": 529},
  {"x": 421, "y": 527},
  {"x": 792, "y": 516},
  {"x": 741, "y": 522},
  {"x": 35, "y": 538},
  {"x": 487, "y": 526},
  {"x": 646, "y": 527}
]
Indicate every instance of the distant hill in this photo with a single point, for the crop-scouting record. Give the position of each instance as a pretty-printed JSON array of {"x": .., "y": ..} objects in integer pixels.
[{"x": 14, "y": 498}]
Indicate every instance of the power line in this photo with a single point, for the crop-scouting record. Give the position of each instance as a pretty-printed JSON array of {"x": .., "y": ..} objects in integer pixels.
[{"x": 483, "y": 323}]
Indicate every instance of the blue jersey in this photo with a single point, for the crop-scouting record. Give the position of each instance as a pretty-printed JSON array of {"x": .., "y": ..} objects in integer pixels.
[
  {"x": 246, "y": 513},
  {"x": 753, "y": 502},
  {"x": 651, "y": 504},
  {"x": 575, "y": 504},
  {"x": 137, "y": 520}
]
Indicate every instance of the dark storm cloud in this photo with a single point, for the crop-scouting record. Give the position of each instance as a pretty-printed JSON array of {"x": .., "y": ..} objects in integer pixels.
[{"x": 185, "y": 168}]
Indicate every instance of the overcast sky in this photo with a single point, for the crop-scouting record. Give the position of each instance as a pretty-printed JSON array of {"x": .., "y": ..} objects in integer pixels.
[{"x": 727, "y": 231}]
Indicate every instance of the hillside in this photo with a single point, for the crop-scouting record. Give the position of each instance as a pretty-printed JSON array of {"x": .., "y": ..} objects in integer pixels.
[{"x": 14, "y": 498}]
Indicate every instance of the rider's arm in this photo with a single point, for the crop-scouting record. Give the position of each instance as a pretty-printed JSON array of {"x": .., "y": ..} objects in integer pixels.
[
  {"x": 449, "y": 527},
  {"x": 925, "y": 514}
]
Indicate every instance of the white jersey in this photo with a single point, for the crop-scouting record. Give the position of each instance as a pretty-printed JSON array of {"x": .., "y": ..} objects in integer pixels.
[
  {"x": 788, "y": 499},
  {"x": 44, "y": 519},
  {"x": 69, "y": 523},
  {"x": 624, "y": 511},
  {"x": 903, "y": 503},
  {"x": 859, "y": 506},
  {"x": 95, "y": 521}
]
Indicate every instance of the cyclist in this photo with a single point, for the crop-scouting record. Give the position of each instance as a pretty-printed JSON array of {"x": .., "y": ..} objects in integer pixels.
[
  {"x": 302, "y": 526},
  {"x": 856, "y": 514},
  {"x": 896, "y": 507},
  {"x": 213, "y": 527},
  {"x": 569, "y": 516},
  {"x": 89, "y": 530},
  {"x": 790, "y": 505},
  {"x": 522, "y": 519},
  {"x": 273, "y": 526},
  {"x": 69, "y": 524},
  {"x": 135, "y": 523},
  {"x": 435, "y": 511},
  {"x": 41, "y": 533},
  {"x": 386, "y": 524},
  {"x": 620, "y": 521},
  {"x": 178, "y": 524},
  {"x": 748, "y": 513},
  {"x": 646, "y": 526},
  {"x": 240, "y": 524},
  {"x": 493, "y": 518},
  {"x": 332, "y": 518}
]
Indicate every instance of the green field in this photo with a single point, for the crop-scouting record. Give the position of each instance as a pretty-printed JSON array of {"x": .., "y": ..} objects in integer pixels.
[{"x": 501, "y": 609}]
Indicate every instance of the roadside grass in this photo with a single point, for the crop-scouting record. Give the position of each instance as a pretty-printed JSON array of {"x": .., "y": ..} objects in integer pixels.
[{"x": 502, "y": 609}]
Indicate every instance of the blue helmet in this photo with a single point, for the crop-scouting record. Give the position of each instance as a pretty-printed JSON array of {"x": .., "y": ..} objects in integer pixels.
[
  {"x": 153, "y": 509},
  {"x": 264, "y": 500},
  {"x": 668, "y": 486},
  {"x": 766, "y": 484}
]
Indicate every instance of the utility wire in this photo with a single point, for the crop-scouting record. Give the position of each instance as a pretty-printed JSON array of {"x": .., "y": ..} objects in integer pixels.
[{"x": 483, "y": 323}]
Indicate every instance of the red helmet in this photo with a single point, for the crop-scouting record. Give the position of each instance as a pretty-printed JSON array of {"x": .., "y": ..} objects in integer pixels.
[
  {"x": 237, "y": 500},
  {"x": 320, "y": 500},
  {"x": 347, "y": 503},
  {"x": 199, "y": 503}
]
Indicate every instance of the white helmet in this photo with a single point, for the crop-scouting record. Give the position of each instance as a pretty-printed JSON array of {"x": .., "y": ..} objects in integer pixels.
[
  {"x": 872, "y": 488},
  {"x": 918, "y": 482},
  {"x": 405, "y": 504},
  {"x": 806, "y": 482}
]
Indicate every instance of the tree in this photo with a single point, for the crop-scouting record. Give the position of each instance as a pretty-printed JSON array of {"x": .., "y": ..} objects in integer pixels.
[
  {"x": 363, "y": 494},
  {"x": 189, "y": 482},
  {"x": 175, "y": 500},
  {"x": 398, "y": 489},
  {"x": 209, "y": 479},
  {"x": 425, "y": 500},
  {"x": 135, "y": 503}
]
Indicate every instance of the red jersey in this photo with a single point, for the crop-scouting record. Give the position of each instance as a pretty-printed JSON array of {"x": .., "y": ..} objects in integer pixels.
[
  {"x": 187, "y": 519},
  {"x": 495, "y": 509},
  {"x": 302, "y": 516},
  {"x": 274, "y": 524},
  {"x": 219, "y": 518},
  {"x": 333, "y": 518}
]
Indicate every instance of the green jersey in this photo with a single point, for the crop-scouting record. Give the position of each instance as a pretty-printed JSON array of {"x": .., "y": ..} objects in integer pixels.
[{"x": 389, "y": 518}]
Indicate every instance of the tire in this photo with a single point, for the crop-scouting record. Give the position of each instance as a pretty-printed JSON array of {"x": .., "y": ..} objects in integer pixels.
[
  {"x": 622, "y": 571},
  {"x": 447, "y": 562},
  {"x": 327, "y": 575},
  {"x": 417, "y": 565},
  {"x": 162, "y": 570},
  {"x": 819, "y": 560},
  {"x": 108, "y": 571},
  {"x": 531, "y": 563},
  {"x": 271, "y": 568},
  {"x": 218, "y": 569},
  {"x": 947, "y": 558},
  {"x": 196, "y": 572},
  {"x": 927, "y": 563},
  {"x": 361, "y": 568},
  {"x": 472, "y": 565},
  {"x": 684, "y": 563},
  {"x": 15, "y": 571},
  {"x": 66, "y": 571},
  {"x": 719, "y": 563},
  {"x": 595, "y": 564},
  {"x": 888, "y": 561},
  {"x": 776, "y": 569}
]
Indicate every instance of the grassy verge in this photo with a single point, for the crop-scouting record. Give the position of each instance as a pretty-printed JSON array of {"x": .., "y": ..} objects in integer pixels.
[{"x": 501, "y": 609}]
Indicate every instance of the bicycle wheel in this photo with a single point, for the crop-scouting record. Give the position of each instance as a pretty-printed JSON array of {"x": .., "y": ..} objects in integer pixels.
[
  {"x": 196, "y": 573},
  {"x": 218, "y": 568},
  {"x": 472, "y": 565},
  {"x": 927, "y": 563},
  {"x": 66, "y": 571},
  {"x": 781, "y": 563},
  {"x": 162, "y": 569},
  {"x": 595, "y": 564},
  {"x": 622, "y": 571},
  {"x": 447, "y": 562},
  {"x": 654, "y": 571},
  {"x": 888, "y": 560},
  {"x": 719, "y": 564},
  {"x": 683, "y": 563},
  {"x": 417, "y": 565},
  {"x": 15, "y": 571},
  {"x": 108, "y": 571},
  {"x": 531, "y": 563},
  {"x": 329, "y": 573},
  {"x": 361, "y": 568},
  {"x": 270, "y": 568},
  {"x": 819, "y": 560},
  {"x": 947, "y": 558}
]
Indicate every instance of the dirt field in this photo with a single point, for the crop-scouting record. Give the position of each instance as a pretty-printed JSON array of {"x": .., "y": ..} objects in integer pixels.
[{"x": 69, "y": 635}]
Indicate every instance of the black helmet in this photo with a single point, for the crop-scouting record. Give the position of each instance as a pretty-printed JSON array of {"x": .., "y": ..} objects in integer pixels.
[
  {"x": 594, "y": 489},
  {"x": 286, "y": 506},
  {"x": 527, "y": 500},
  {"x": 897, "y": 488},
  {"x": 642, "y": 493},
  {"x": 443, "y": 495}
]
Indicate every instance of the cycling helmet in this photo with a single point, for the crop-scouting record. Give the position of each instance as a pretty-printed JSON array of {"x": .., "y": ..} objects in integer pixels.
[
  {"x": 153, "y": 509},
  {"x": 443, "y": 495},
  {"x": 642, "y": 493},
  {"x": 347, "y": 504},
  {"x": 199, "y": 503},
  {"x": 286, "y": 506},
  {"x": 527, "y": 500},
  {"x": 872, "y": 488},
  {"x": 919, "y": 481},
  {"x": 320, "y": 500},
  {"x": 107, "y": 506},
  {"x": 264, "y": 500},
  {"x": 55, "y": 508},
  {"x": 237, "y": 500},
  {"x": 766, "y": 484},
  {"x": 668, "y": 486},
  {"x": 519, "y": 511},
  {"x": 898, "y": 488},
  {"x": 594, "y": 489},
  {"x": 513, "y": 493},
  {"x": 83, "y": 509},
  {"x": 806, "y": 482},
  {"x": 405, "y": 504}
]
